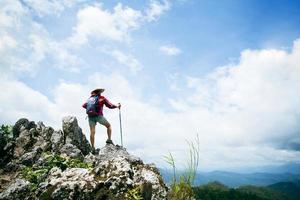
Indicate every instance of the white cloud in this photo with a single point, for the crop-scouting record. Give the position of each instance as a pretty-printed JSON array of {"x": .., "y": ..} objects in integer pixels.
[
  {"x": 7, "y": 42},
  {"x": 170, "y": 50},
  {"x": 96, "y": 22},
  {"x": 258, "y": 97},
  {"x": 11, "y": 14},
  {"x": 50, "y": 7},
  {"x": 26, "y": 45},
  {"x": 127, "y": 60},
  {"x": 156, "y": 9},
  {"x": 19, "y": 100},
  {"x": 246, "y": 114}
]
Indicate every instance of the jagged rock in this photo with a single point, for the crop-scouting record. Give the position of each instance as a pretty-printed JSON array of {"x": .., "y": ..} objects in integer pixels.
[
  {"x": 18, "y": 190},
  {"x": 70, "y": 150},
  {"x": 74, "y": 183},
  {"x": 43, "y": 143},
  {"x": 40, "y": 126},
  {"x": 126, "y": 171},
  {"x": 8, "y": 152},
  {"x": 2, "y": 151},
  {"x": 57, "y": 140},
  {"x": 23, "y": 122},
  {"x": 47, "y": 133},
  {"x": 55, "y": 174},
  {"x": 2, "y": 143},
  {"x": 73, "y": 134},
  {"x": 23, "y": 143},
  {"x": 30, "y": 157}
]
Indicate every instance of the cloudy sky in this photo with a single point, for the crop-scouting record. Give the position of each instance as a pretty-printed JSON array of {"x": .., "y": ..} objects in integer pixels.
[{"x": 228, "y": 71}]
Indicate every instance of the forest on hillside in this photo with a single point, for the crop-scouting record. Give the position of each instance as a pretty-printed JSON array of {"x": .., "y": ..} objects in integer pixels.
[{"x": 218, "y": 191}]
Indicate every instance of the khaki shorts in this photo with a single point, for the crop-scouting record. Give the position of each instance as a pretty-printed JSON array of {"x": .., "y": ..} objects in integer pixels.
[{"x": 93, "y": 120}]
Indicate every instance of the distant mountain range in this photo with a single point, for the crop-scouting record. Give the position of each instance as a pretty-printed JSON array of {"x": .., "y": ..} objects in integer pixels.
[
  {"x": 287, "y": 173},
  {"x": 236, "y": 179},
  {"x": 293, "y": 168}
]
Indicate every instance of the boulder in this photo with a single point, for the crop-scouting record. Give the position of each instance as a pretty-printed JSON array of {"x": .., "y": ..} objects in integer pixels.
[
  {"x": 74, "y": 183},
  {"x": 31, "y": 157},
  {"x": 57, "y": 140},
  {"x": 2, "y": 151},
  {"x": 122, "y": 171},
  {"x": 70, "y": 150},
  {"x": 73, "y": 135},
  {"x": 23, "y": 122},
  {"x": 17, "y": 190},
  {"x": 46, "y": 133}
]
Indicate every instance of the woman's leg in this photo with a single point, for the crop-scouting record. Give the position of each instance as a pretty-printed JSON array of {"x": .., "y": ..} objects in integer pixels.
[
  {"x": 92, "y": 135},
  {"x": 108, "y": 127}
]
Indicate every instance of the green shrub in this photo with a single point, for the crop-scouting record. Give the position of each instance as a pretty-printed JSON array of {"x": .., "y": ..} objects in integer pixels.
[
  {"x": 6, "y": 130},
  {"x": 133, "y": 194}
]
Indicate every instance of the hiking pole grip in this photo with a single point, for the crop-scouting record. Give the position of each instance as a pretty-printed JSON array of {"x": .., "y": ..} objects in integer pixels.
[{"x": 120, "y": 119}]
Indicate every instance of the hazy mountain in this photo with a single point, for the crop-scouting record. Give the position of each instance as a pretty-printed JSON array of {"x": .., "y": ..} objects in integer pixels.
[
  {"x": 232, "y": 179},
  {"x": 286, "y": 168}
]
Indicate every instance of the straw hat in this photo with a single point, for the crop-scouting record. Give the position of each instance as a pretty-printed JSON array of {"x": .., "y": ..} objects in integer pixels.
[{"x": 98, "y": 91}]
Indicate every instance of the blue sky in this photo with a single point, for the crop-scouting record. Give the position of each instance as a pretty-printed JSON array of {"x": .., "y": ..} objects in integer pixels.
[
  {"x": 227, "y": 70},
  {"x": 209, "y": 34}
]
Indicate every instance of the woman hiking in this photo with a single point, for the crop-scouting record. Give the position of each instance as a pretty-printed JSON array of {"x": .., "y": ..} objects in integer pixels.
[{"x": 94, "y": 110}]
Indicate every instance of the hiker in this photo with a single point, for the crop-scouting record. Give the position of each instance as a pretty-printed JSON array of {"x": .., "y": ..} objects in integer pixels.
[{"x": 94, "y": 109}]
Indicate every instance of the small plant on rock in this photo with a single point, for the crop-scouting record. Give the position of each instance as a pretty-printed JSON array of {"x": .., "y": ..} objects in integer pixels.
[
  {"x": 133, "y": 194},
  {"x": 6, "y": 130},
  {"x": 182, "y": 189},
  {"x": 36, "y": 175}
]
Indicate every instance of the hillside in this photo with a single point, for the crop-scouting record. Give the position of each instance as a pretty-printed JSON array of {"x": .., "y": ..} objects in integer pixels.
[
  {"x": 292, "y": 189},
  {"x": 218, "y": 191}
]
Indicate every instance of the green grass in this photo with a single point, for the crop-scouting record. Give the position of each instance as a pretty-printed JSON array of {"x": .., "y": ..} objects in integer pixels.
[{"x": 181, "y": 188}]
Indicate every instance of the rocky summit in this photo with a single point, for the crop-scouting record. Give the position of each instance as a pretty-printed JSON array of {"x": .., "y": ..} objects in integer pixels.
[{"x": 38, "y": 162}]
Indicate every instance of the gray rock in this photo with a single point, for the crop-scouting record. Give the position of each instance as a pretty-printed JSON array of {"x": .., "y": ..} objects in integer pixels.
[
  {"x": 7, "y": 155},
  {"x": 70, "y": 150},
  {"x": 75, "y": 183},
  {"x": 43, "y": 143},
  {"x": 18, "y": 190},
  {"x": 16, "y": 129},
  {"x": 127, "y": 171},
  {"x": 110, "y": 174},
  {"x": 33, "y": 132},
  {"x": 40, "y": 126},
  {"x": 23, "y": 143},
  {"x": 3, "y": 143},
  {"x": 29, "y": 158},
  {"x": 57, "y": 140},
  {"x": 73, "y": 134},
  {"x": 47, "y": 133}
]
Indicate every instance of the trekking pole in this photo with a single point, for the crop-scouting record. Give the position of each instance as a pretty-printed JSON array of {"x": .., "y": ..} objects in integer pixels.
[{"x": 121, "y": 127}]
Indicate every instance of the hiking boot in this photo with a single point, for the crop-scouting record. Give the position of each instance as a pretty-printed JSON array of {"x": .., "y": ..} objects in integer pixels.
[
  {"x": 95, "y": 151},
  {"x": 108, "y": 141}
]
